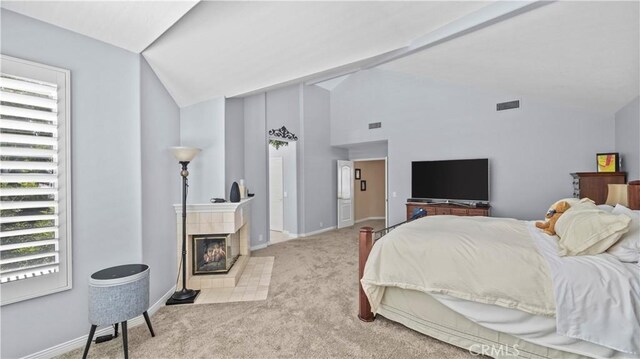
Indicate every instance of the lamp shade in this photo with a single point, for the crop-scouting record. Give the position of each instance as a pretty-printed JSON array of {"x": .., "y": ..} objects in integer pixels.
[
  {"x": 617, "y": 195},
  {"x": 185, "y": 154}
]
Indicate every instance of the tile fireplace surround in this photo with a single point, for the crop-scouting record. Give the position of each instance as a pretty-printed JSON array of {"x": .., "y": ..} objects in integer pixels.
[{"x": 221, "y": 219}]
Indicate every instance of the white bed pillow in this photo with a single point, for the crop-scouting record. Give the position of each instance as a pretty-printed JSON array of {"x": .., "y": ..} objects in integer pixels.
[
  {"x": 572, "y": 202},
  {"x": 628, "y": 247},
  {"x": 586, "y": 230}
]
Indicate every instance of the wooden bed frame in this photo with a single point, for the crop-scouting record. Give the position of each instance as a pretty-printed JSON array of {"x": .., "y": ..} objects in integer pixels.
[
  {"x": 633, "y": 194},
  {"x": 365, "y": 242}
]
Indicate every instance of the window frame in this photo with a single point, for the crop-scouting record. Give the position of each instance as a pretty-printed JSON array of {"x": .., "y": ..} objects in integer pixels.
[{"x": 29, "y": 288}]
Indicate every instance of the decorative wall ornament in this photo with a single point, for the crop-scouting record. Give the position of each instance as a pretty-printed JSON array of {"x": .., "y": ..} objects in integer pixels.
[{"x": 280, "y": 137}]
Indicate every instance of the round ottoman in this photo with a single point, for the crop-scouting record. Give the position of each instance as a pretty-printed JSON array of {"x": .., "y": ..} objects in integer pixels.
[{"x": 116, "y": 295}]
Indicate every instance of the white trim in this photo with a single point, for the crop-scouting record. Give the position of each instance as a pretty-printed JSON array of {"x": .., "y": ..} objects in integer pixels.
[
  {"x": 370, "y": 219},
  {"x": 368, "y": 159},
  {"x": 80, "y": 342},
  {"x": 259, "y": 246},
  {"x": 302, "y": 235},
  {"x": 63, "y": 279}
]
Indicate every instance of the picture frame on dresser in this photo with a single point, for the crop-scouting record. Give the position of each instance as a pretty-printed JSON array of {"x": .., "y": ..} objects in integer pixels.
[{"x": 608, "y": 162}]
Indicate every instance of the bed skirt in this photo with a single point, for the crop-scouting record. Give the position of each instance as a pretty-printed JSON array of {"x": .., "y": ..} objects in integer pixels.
[{"x": 438, "y": 321}]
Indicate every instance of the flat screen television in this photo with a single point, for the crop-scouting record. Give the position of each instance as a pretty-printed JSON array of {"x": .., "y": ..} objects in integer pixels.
[{"x": 451, "y": 180}]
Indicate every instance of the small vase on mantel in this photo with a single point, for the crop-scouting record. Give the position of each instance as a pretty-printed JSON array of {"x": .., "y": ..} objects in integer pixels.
[
  {"x": 243, "y": 190},
  {"x": 234, "y": 196}
]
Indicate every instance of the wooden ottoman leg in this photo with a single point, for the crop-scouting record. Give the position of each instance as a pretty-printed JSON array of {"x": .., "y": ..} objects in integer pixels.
[
  {"x": 146, "y": 319},
  {"x": 115, "y": 330},
  {"x": 92, "y": 332}
]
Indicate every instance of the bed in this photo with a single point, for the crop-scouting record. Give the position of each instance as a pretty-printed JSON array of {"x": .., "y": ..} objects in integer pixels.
[{"x": 583, "y": 306}]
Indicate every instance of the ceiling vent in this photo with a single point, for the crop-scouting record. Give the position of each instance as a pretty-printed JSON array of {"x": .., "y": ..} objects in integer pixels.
[
  {"x": 508, "y": 105},
  {"x": 375, "y": 125}
]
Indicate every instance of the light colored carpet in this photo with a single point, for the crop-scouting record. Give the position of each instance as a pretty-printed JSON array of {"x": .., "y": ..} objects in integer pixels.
[{"x": 310, "y": 312}]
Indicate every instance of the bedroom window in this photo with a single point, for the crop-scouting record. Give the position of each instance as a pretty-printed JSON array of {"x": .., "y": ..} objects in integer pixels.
[{"x": 35, "y": 191}]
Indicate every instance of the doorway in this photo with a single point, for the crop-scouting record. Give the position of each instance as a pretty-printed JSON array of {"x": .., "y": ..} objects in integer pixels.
[
  {"x": 283, "y": 199},
  {"x": 370, "y": 190}
]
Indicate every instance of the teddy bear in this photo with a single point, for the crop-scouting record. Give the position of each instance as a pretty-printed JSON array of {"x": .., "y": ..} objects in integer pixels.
[{"x": 552, "y": 217}]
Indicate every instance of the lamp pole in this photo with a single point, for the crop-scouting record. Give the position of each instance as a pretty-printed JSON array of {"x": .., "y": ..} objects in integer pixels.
[
  {"x": 184, "y": 156},
  {"x": 185, "y": 293}
]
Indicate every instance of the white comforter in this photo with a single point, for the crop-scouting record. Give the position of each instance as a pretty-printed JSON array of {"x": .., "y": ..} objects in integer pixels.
[
  {"x": 482, "y": 259},
  {"x": 597, "y": 297},
  {"x": 511, "y": 263}
]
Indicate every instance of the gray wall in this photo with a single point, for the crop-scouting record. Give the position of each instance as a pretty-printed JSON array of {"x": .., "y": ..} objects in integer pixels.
[
  {"x": 368, "y": 150},
  {"x": 316, "y": 158},
  {"x": 532, "y": 150},
  {"x": 283, "y": 109},
  {"x": 161, "y": 181},
  {"x": 106, "y": 160},
  {"x": 319, "y": 158},
  {"x": 233, "y": 143},
  {"x": 255, "y": 166},
  {"x": 202, "y": 126},
  {"x": 628, "y": 138}
]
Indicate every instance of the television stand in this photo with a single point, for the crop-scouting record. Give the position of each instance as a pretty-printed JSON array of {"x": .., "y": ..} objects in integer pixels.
[{"x": 448, "y": 208}]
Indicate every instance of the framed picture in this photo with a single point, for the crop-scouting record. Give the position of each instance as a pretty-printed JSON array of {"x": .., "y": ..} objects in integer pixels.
[
  {"x": 209, "y": 254},
  {"x": 363, "y": 185},
  {"x": 358, "y": 174},
  {"x": 608, "y": 162}
]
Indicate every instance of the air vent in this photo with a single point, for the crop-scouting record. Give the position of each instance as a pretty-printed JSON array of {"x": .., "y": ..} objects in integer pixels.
[
  {"x": 375, "y": 125},
  {"x": 508, "y": 105}
]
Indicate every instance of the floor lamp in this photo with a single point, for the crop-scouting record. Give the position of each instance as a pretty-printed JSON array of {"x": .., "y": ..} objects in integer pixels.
[{"x": 184, "y": 155}]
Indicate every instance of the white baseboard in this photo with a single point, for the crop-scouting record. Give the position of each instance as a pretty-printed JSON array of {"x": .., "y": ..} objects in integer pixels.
[
  {"x": 309, "y": 234},
  {"x": 290, "y": 235},
  {"x": 73, "y": 344},
  {"x": 258, "y": 246},
  {"x": 369, "y": 219}
]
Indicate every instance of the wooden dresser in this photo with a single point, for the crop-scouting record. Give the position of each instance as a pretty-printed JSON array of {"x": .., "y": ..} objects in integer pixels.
[
  {"x": 434, "y": 209},
  {"x": 593, "y": 185}
]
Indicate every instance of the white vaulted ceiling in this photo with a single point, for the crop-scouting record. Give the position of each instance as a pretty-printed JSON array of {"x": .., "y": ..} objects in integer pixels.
[
  {"x": 131, "y": 25},
  {"x": 230, "y": 48},
  {"x": 583, "y": 54}
]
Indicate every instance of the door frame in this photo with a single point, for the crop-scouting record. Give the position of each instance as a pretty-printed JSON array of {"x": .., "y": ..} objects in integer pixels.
[{"x": 386, "y": 183}]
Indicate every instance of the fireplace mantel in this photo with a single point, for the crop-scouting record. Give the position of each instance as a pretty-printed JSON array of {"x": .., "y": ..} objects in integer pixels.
[
  {"x": 216, "y": 218},
  {"x": 213, "y": 207}
]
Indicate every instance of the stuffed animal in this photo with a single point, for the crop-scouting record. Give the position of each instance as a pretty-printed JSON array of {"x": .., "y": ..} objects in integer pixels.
[{"x": 552, "y": 217}]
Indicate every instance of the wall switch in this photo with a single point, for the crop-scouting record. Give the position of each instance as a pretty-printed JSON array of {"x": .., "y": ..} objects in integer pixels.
[
  {"x": 321, "y": 224},
  {"x": 284, "y": 194},
  {"x": 394, "y": 195},
  {"x": 260, "y": 238}
]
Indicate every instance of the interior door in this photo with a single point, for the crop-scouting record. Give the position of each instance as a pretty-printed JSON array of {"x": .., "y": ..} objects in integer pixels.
[
  {"x": 276, "y": 191},
  {"x": 345, "y": 194}
]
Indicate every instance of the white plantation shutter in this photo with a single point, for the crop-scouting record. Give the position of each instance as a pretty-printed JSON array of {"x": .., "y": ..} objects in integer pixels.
[{"x": 35, "y": 201}]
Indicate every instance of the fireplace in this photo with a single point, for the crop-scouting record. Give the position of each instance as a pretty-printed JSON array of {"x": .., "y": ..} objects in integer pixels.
[
  {"x": 214, "y": 253},
  {"x": 225, "y": 224}
]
